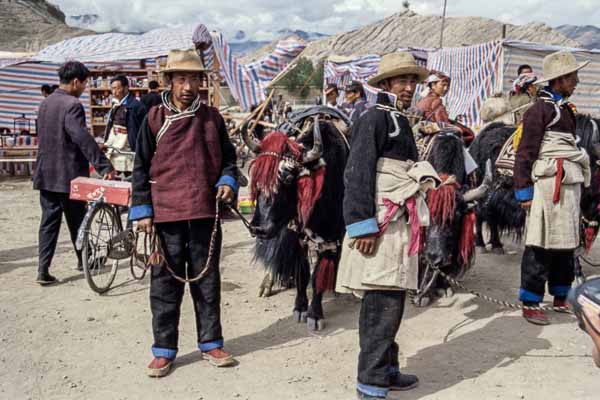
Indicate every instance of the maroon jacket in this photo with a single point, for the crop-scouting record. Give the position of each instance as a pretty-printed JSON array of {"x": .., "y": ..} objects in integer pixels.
[
  {"x": 535, "y": 124},
  {"x": 433, "y": 108},
  {"x": 180, "y": 160}
]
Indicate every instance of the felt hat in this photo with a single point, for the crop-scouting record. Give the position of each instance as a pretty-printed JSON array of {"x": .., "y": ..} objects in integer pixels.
[
  {"x": 396, "y": 64},
  {"x": 559, "y": 64},
  {"x": 183, "y": 61}
]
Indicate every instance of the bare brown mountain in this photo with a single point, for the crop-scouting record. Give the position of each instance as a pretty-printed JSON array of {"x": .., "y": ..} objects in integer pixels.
[
  {"x": 408, "y": 29},
  {"x": 30, "y": 25}
]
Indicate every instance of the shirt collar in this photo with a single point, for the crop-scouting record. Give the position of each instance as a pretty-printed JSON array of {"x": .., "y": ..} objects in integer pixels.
[{"x": 555, "y": 96}]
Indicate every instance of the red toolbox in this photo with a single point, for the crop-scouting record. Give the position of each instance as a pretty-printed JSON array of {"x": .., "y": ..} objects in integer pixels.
[{"x": 90, "y": 189}]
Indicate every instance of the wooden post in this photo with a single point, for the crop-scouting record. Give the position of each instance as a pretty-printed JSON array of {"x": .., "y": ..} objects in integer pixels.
[
  {"x": 216, "y": 82},
  {"x": 503, "y": 31},
  {"x": 443, "y": 24}
]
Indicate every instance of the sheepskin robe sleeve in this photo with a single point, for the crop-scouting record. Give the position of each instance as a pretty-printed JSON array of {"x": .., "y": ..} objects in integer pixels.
[{"x": 374, "y": 135}]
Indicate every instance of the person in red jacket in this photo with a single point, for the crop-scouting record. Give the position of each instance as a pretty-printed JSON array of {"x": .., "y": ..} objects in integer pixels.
[{"x": 431, "y": 105}]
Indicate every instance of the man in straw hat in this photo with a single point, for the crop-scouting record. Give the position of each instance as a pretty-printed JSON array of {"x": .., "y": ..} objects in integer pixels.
[
  {"x": 184, "y": 164},
  {"x": 385, "y": 189},
  {"x": 549, "y": 170}
]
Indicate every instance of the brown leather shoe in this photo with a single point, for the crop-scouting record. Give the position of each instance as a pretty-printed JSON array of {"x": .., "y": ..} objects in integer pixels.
[
  {"x": 536, "y": 317},
  {"x": 219, "y": 358},
  {"x": 159, "y": 367}
]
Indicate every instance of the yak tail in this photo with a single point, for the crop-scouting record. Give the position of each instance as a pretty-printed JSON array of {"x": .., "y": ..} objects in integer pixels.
[{"x": 282, "y": 255}]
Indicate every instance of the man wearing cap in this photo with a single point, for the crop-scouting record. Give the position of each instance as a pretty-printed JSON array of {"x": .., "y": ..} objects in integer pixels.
[
  {"x": 549, "y": 170},
  {"x": 331, "y": 95},
  {"x": 523, "y": 95},
  {"x": 356, "y": 104},
  {"x": 384, "y": 208},
  {"x": 184, "y": 164}
]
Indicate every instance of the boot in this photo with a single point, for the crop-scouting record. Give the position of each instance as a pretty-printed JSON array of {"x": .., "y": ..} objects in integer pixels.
[
  {"x": 45, "y": 279},
  {"x": 402, "y": 382}
]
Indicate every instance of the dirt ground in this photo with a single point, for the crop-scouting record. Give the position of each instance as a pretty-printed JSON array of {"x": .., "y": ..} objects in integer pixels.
[{"x": 66, "y": 342}]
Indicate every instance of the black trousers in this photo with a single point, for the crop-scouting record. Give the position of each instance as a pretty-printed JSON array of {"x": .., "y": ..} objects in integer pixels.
[
  {"x": 54, "y": 205},
  {"x": 538, "y": 266},
  {"x": 380, "y": 316},
  {"x": 185, "y": 245}
]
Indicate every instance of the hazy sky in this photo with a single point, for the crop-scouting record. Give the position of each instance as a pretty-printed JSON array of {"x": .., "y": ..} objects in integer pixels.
[{"x": 256, "y": 16}]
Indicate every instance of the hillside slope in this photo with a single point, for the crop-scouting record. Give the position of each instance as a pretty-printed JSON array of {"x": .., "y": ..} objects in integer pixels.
[{"x": 30, "y": 25}]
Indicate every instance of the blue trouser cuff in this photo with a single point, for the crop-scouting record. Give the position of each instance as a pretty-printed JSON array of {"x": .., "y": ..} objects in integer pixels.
[
  {"x": 208, "y": 346},
  {"x": 526, "y": 295},
  {"x": 560, "y": 291},
  {"x": 374, "y": 391},
  {"x": 164, "y": 353}
]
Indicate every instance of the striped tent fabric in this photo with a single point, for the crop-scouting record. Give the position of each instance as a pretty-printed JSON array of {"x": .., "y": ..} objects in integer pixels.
[
  {"x": 20, "y": 87},
  {"x": 587, "y": 94},
  {"x": 475, "y": 72},
  {"x": 20, "y": 91},
  {"x": 248, "y": 83},
  {"x": 117, "y": 50},
  {"x": 109, "y": 47},
  {"x": 343, "y": 70}
]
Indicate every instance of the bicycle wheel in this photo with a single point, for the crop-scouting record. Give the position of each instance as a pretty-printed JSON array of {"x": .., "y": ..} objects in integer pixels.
[{"x": 99, "y": 270}]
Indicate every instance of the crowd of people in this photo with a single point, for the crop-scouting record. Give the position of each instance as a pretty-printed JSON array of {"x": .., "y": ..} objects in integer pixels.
[{"x": 185, "y": 163}]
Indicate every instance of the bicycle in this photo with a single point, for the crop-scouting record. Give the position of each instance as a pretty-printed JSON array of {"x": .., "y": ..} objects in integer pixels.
[{"x": 103, "y": 239}]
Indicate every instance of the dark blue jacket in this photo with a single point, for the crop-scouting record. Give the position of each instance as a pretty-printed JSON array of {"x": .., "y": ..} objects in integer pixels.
[
  {"x": 66, "y": 147},
  {"x": 135, "y": 114}
]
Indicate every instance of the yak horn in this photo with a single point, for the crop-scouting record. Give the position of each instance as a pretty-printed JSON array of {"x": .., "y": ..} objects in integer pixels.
[
  {"x": 317, "y": 151},
  {"x": 252, "y": 144},
  {"x": 484, "y": 188}
]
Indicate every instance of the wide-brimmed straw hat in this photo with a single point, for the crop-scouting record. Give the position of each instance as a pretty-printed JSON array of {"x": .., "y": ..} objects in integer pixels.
[
  {"x": 183, "y": 61},
  {"x": 559, "y": 64},
  {"x": 396, "y": 64}
]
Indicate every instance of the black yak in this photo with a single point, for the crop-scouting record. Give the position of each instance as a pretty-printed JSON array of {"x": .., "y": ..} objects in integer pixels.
[{"x": 297, "y": 182}]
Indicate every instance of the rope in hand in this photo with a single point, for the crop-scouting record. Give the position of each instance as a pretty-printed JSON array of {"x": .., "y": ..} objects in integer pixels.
[
  {"x": 153, "y": 246},
  {"x": 153, "y": 255}
]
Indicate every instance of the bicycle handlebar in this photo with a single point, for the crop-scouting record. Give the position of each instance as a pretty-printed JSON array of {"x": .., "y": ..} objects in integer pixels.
[{"x": 118, "y": 151}]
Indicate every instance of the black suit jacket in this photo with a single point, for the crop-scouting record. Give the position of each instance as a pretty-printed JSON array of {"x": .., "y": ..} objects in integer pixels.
[{"x": 65, "y": 145}]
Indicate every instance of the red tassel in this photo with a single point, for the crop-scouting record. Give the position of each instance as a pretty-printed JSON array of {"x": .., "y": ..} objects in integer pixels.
[
  {"x": 558, "y": 180},
  {"x": 590, "y": 234},
  {"x": 441, "y": 202},
  {"x": 264, "y": 170},
  {"x": 467, "y": 239},
  {"x": 325, "y": 276},
  {"x": 310, "y": 188}
]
